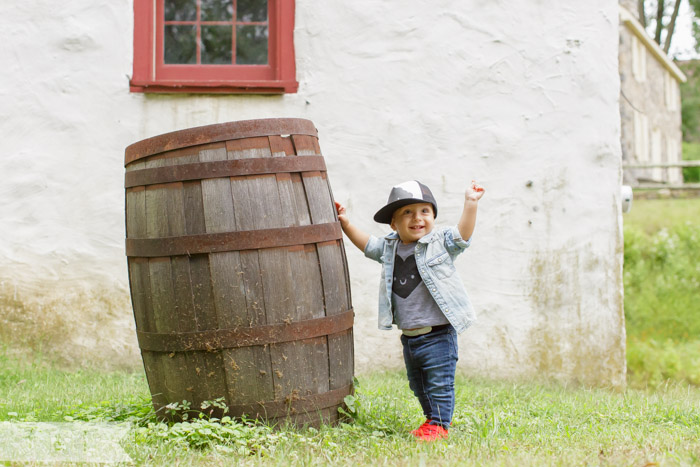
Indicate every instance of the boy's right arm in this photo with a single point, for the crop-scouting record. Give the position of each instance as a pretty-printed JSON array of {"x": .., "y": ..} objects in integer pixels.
[{"x": 356, "y": 236}]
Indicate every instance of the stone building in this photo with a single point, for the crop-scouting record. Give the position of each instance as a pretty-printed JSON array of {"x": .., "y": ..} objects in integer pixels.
[{"x": 650, "y": 105}]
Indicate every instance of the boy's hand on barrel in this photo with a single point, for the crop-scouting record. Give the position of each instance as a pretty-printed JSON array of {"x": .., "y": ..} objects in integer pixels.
[
  {"x": 356, "y": 236},
  {"x": 474, "y": 192},
  {"x": 342, "y": 215}
]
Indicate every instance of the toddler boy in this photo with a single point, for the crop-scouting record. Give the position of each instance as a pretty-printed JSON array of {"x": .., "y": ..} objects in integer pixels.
[{"x": 422, "y": 293}]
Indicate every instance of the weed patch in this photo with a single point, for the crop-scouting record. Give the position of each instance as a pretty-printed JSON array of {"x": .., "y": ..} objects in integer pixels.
[{"x": 662, "y": 292}]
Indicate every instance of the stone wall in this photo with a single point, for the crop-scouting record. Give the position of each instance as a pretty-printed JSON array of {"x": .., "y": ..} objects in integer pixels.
[{"x": 650, "y": 110}]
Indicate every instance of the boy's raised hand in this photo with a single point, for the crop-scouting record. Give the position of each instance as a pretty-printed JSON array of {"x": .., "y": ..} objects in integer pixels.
[
  {"x": 474, "y": 191},
  {"x": 467, "y": 222}
]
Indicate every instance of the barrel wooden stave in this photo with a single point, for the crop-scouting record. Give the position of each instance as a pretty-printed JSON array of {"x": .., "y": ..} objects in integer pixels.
[{"x": 275, "y": 285}]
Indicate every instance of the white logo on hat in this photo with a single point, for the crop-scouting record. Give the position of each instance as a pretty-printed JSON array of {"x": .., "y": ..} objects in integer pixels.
[{"x": 406, "y": 190}]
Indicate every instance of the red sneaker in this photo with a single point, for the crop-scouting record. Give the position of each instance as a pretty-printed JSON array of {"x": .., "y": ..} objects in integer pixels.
[
  {"x": 428, "y": 432},
  {"x": 418, "y": 430}
]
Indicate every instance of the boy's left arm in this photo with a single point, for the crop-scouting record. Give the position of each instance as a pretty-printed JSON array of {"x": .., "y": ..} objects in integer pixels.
[{"x": 471, "y": 200}]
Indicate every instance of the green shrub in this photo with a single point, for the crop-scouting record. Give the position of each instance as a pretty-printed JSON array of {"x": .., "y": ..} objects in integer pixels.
[
  {"x": 651, "y": 362},
  {"x": 662, "y": 279}
]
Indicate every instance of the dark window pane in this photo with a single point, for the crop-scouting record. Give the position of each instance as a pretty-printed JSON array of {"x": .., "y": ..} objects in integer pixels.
[
  {"x": 251, "y": 45},
  {"x": 252, "y": 10},
  {"x": 217, "y": 10},
  {"x": 180, "y": 44},
  {"x": 180, "y": 10},
  {"x": 216, "y": 45}
]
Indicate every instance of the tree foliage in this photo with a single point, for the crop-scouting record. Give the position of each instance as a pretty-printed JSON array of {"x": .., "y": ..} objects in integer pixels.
[
  {"x": 690, "y": 101},
  {"x": 695, "y": 7},
  {"x": 660, "y": 17}
]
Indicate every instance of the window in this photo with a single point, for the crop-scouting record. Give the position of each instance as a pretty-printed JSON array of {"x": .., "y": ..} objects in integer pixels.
[
  {"x": 671, "y": 92},
  {"x": 657, "y": 173},
  {"x": 641, "y": 136},
  {"x": 675, "y": 174},
  {"x": 230, "y": 46},
  {"x": 639, "y": 60}
]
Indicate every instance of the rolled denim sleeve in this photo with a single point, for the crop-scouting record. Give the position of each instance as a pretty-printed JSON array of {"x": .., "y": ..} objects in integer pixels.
[
  {"x": 454, "y": 243},
  {"x": 375, "y": 248}
]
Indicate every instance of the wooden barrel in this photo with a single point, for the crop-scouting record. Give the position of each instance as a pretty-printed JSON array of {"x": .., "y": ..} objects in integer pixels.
[{"x": 237, "y": 269}]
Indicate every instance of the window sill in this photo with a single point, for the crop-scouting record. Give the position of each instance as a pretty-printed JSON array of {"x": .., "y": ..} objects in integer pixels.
[{"x": 214, "y": 87}]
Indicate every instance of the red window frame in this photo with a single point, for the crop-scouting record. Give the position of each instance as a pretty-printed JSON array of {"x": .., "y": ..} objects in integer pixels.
[{"x": 152, "y": 75}]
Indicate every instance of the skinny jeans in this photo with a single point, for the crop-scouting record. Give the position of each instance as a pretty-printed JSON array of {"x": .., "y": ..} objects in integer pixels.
[{"x": 431, "y": 362}]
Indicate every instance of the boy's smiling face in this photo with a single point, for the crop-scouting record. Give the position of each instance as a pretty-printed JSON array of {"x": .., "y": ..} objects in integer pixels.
[{"x": 414, "y": 221}]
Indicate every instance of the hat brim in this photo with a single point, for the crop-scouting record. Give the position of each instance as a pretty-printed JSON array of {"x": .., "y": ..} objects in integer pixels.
[{"x": 384, "y": 215}]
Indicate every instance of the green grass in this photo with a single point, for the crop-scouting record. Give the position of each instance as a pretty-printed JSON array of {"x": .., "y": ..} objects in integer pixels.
[
  {"x": 650, "y": 216},
  {"x": 662, "y": 291},
  {"x": 691, "y": 152},
  {"x": 35, "y": 390},
  {"x": 495, "y": 423}
]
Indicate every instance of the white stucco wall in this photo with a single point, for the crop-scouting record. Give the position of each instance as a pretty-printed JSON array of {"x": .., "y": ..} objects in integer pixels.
[{"x": 522, "y": 96}]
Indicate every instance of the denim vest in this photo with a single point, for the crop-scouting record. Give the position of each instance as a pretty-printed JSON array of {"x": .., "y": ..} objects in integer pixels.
[{"x": 435, "y": 253}]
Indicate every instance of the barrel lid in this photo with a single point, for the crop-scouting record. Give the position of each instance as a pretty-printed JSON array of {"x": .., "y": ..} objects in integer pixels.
[{"x": 216, "y": 133}]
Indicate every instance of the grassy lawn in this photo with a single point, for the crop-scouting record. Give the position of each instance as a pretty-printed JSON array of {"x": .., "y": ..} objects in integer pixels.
[
  {"x": 650, "y": 216},
  {"x": 496, "y": 423},
  {"x": 691, "y": 152}
]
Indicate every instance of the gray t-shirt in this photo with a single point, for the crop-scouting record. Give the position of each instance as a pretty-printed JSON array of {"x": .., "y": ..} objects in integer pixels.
[{"x": 413, "y": 305}]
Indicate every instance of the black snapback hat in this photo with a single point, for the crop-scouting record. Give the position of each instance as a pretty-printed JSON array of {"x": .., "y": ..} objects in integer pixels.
[{"x": 402, "y": 195}]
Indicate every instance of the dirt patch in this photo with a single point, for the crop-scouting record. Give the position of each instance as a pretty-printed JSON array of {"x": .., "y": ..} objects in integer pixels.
[
  {"x": 579, "y": 334},
  {"x": 71, "y": 324}
]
